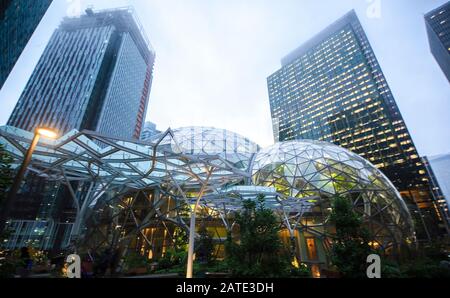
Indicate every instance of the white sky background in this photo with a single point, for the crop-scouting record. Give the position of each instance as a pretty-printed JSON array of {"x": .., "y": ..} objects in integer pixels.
[{"x": 213, "y": 58}]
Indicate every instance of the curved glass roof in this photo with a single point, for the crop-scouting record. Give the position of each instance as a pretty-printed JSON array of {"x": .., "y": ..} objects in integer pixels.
[
  {"x": 201, "y": 141},
  {"x": 179, "y": 154},
  {"x": 297, "y": 177},
  {"x": 317, "y": 172},
  {"x": 319, "y": 165}
]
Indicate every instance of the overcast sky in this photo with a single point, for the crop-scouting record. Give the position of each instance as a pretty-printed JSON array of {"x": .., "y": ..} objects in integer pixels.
[{"x": 213, "y": 58}]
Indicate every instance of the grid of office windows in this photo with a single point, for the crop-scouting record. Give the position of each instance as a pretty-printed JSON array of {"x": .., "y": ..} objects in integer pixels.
[
  {"x": 439, "y": 166},
  {"x": 18, "y": 21},
  {"x": 438, "y": 29},
  {"x": 58, "y": 92},
  {"x": 93, "y": 74},
  {"x": 332, "y": 89},
  {"x": 124, "y": 94}
]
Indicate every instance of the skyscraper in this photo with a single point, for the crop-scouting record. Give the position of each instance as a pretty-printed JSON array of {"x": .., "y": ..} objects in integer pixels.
[
  {"x": 438, "y": 29},
  {"x": 439, "y": 166},
  {"x": 18, "y": 20},
  {"x": 148, "y": 131},
  {"x": 332, "y": 89},
  {"x": 95, "y": 73}
]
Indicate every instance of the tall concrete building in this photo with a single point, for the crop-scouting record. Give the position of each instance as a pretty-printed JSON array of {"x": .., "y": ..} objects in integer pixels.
[
  {"x": 332, "y": 89},
  {"x": 95, "y": 73},
  {"x": 148, "y": 131},
  {"x": 18, "y": 21},
  {"x": 438, "y": 28}
]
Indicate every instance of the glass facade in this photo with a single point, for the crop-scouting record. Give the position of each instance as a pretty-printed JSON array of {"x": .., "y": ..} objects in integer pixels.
[
  {"x": 317, "y": 172},
  {"x": 95, "y": 72},
  {"x": 148, "y": 131},
  {"x": 333, "y": 89},
  {"x": 438, "y": 29},
  {"x": 439, "y": 167},
  {"x": 18, "y": 20},
  {"x": 141, "y": 193},
  {"x": 123, "y": 96}
]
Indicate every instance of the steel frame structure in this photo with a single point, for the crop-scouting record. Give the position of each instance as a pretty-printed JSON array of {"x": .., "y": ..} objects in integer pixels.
[
  {"x": 118, "y": 173},
  {"x": 109, "y": 164}
]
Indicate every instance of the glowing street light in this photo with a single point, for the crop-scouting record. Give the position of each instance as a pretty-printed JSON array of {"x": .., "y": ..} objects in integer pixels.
[
  {"x": 46, "y": 132},
  {"x": 38, "y": 133}
]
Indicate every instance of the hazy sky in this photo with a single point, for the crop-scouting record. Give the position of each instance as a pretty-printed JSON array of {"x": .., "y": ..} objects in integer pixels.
[{"x": 213, "y": 58}]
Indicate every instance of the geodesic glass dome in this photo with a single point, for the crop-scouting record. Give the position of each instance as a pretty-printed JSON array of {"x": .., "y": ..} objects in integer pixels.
[
  {"x": 318, "y": 172},
  {"x": 299, "y": 180},
  {"x": 204, "y": 141}
]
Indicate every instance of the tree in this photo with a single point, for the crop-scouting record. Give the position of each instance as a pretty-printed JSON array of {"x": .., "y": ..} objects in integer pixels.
[
  {"x": 259, "y": 253},
  {"x": 205, "y": 246},
  {"x": 351, "y": 243},
  {"x": 176, "y": 256},
  {"x": 7, "y": 264},
  {"x": 6, "y": 180},
  {"x": 180, "y": 239},
  {"x": 6, "y": 173}
]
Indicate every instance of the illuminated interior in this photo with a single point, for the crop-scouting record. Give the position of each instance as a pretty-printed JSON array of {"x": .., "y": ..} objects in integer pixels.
[{"x": 143, "y": 193}]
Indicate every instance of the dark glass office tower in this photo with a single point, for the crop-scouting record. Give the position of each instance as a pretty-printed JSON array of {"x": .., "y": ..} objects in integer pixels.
[
  {"x": 95, "y": 73},
  {"x": 332, "y": 89},
  {"x": 438, "y": 29},
  {"x": 18, "y": 20}
]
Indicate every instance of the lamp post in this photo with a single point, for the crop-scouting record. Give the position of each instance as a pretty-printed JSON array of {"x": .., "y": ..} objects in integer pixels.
[
  {"x": 44, "y": 132},
  {"x": 190, "y": 260}
]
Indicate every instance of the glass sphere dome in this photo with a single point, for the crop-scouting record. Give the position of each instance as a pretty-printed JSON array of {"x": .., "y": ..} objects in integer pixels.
[
  {"x": 204, "y": 141},
  {"x": 319, "y": 171}
]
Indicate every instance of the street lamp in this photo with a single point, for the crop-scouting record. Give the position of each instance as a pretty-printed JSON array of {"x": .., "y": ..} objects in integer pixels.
[
  {"x": 38, "y": 133},
  {"x": 46, "y": 133}
]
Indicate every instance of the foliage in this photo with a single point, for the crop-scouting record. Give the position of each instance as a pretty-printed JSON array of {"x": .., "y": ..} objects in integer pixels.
[
  {"x": 351, "y": 244},
  {"x": 6, "y": 180},
  {"x": 172, "y": 258},
  {"x": 217, "y": 267},
  {"x": 204, "y": 246},
  {"x": 302, "y": 271},
  {"x": 390, "y": 269},
  {"x": 437, "y": 251},
  {"x": 180, "y": 239},
  {"x": 135, "y": 260},
  {"x": 39, "y": 257},
  {"x": 6, "y": 173},
  {"x": 259, "y": 253},
  {"x": 432, "y": 261},
  {"x": 425, "y": 268},
  {"x": 175, "y": 258},
  {"x": 9, "y": 262}
]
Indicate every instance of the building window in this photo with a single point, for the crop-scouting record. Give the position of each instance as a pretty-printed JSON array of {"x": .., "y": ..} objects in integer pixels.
[{"x": 312, "y": 249}]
